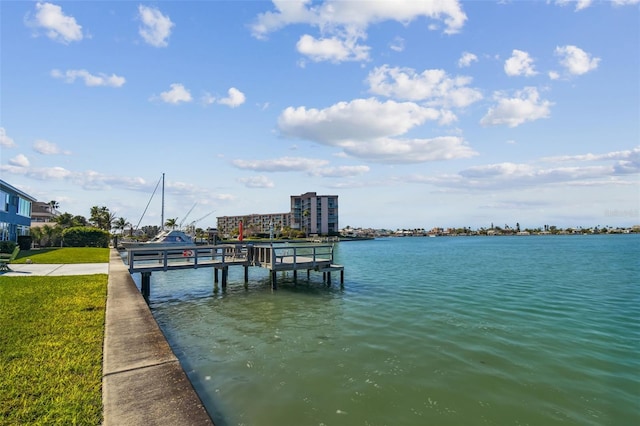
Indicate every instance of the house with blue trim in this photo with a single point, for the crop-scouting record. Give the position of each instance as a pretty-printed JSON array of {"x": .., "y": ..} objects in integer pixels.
[{"x": 15, "y": 212}]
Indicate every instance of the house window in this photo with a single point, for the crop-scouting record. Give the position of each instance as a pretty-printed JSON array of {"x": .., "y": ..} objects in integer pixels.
[
  {"x": 4, "y": 201},
  {"x": 4, "y": 231},
  {"x": 24, "y": 207}
]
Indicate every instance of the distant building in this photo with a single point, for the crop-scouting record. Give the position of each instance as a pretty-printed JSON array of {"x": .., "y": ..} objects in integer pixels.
[
  {"x": 311, "y": 213},
  {"x": 43, "y": 214},
  {"x": 253, "y": 223},
  {"x": 315, "y": 214},
  {"x": 15, "y": 212}
]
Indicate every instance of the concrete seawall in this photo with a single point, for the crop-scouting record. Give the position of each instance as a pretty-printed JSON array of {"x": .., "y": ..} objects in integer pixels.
[{"x": 143, "y": 382}]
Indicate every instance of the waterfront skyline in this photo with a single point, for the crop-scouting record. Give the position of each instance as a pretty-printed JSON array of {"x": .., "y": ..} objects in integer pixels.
[{"x": 416, "y": 114}]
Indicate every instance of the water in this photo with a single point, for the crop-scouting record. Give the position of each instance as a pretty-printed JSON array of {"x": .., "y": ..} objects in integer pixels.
[{"x": 538, "y": 330}]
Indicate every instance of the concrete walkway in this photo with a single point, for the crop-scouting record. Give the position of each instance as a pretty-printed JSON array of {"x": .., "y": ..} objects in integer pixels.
[
  {"x": 54, "y": 269},
  {"x": 143, "y": 382}
]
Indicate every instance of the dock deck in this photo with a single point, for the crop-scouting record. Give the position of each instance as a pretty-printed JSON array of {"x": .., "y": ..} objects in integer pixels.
[{"x": 275, "y": 257}]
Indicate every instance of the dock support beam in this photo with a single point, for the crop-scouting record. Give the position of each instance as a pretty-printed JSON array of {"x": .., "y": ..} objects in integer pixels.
[
  {"x": 225, "y": 274},
  {"x": 145, "y": 285},
  {"x": 274, "y": 285}
]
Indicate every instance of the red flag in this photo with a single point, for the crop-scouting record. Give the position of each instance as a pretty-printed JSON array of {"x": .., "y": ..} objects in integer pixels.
[{"x": 240, "y": 231}]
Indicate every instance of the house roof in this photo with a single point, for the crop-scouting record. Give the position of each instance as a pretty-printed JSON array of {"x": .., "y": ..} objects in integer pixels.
[{"x": 5, "y": 185}]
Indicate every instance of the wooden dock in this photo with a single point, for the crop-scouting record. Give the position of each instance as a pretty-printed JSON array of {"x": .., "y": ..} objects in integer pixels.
[{"x": 275, "y": 257}]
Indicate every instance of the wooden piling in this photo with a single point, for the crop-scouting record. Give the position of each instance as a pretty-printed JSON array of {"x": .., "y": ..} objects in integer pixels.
[
  {"x": 225, "y": 274},
  {"x": 145, "y": 285}
]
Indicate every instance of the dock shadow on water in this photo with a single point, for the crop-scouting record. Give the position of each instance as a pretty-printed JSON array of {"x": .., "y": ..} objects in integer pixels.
[{"x": 426, "y": 331}]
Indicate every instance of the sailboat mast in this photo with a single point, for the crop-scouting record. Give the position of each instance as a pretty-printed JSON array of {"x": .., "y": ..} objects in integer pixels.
[{"x": 162, "y": 214}]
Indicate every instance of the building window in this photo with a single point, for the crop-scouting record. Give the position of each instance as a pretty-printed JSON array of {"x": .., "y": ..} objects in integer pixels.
[
  {"x": 4, "y": 201},
  {"x": 4, "y": 231},
  {"x": 24, "y": 207}
]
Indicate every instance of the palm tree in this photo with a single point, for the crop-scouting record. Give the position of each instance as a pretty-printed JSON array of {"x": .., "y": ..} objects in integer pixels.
[
  {"x": 36, "y": 235},
  {"x": 101, "y": 217},
  {"x": 171, "y": 223},
  {"x": 121, "y": 224},
  {"x": 53, "y": 206},
  {"x": 65, "y": 220}
]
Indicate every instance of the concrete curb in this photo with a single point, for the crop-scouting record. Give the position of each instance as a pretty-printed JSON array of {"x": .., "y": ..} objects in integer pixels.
[{"x": 143, "y": 382}]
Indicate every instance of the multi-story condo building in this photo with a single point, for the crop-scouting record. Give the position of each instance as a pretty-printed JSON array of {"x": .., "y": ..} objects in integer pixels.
[
  {"x": 15, "y": 212},
  {"x": 253, "y": 223},
  {"x": 311, "y": 213},
  {"x": 315, "y": 214}
]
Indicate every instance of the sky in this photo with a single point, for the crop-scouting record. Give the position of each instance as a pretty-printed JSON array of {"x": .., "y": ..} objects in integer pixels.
[{"x": 416, "y": 114}]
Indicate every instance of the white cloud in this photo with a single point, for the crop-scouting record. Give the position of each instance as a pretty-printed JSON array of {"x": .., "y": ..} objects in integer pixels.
[
  {"x": 47, "y": 173},
  {"x": 625, "y": 2},
  {"x": 156, "y": 27},
  {"x": 20, "y": 160},
  {"x": 625, "y": 162},
  {"x": 332, "y": 49},
  {"x": 614, "y": 155},
  {"x": 89, "y": 79},
  {"x": 343, "y": 23},
  {"x": 340, "y": 171},
  {"x": 554, "y": 75},
  {"x": 467, "y": 59},
  {"x": 526, "y": 105},
  {"x": 397, "y": 45},
  {"x": 57, "y": 26},
  {"x": 311, "y": 166},
  {"x": 235, "y": 98},
  {"x": 5, "y": 140},
  {"x": 583, "y": 4},
  {"x": 520, "y": 63},
  {"x": 369, "y": 129},
  {"x": 207, "y": 99},
  {"x": 357, "y": 119},
  {"x": 433, "y": 86},
  {"x": 44, "y": 147},
  {"x": 607, "y": 168},
  {"x": 257, "y": 182},
  {"x": 580, "y": 4},
  {"x": 575, "y": 60},
  {"x": 333, "y": 13},
  {"x": 284, "y": 164},
  {"x": 178, "y": 93},
  {"x": 408, "y": 151}
]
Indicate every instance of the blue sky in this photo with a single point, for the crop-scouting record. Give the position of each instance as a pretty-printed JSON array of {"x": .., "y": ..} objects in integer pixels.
[{"x": 415, "y": 113}]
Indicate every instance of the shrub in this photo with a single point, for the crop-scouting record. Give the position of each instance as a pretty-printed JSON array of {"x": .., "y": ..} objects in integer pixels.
[
  {"x": 85, "y": 236},
  {"x": 7, "y": 246}
]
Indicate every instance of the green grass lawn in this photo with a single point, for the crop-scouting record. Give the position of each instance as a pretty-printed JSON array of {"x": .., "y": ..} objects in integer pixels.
[
  {"x": 64, "y": 255},
  {"x": 51, "y": 336}
]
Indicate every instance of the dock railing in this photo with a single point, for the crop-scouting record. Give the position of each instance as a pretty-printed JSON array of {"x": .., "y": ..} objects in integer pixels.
[
  {"x": 293, "y": 256},
  {"x": 275, "y": 257},
  {"x": 165, "y": 258}
]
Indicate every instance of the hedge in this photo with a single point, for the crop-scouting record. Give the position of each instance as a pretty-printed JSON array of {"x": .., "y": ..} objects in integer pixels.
[{"x": 85, "y": 236}]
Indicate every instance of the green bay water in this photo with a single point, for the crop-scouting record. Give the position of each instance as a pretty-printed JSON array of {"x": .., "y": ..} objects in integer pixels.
[{"x": 536, "y": 330}]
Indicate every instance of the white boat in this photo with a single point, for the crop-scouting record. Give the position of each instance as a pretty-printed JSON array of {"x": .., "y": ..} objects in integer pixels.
[{"x": 165, "y": 238}]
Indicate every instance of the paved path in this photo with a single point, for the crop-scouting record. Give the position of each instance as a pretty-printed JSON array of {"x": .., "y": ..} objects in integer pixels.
[{"x": 26, "y": 270}]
